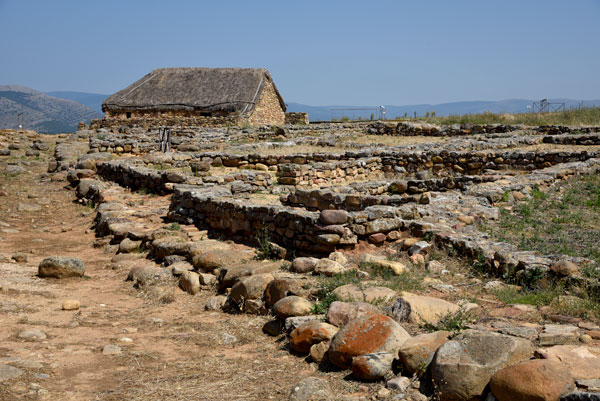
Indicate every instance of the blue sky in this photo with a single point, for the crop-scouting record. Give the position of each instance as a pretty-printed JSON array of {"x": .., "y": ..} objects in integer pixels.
[{"x": 318, "y": 52}]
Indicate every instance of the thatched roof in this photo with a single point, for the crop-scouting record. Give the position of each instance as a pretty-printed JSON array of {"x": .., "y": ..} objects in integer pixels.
[{"x": 194, "y": 89}]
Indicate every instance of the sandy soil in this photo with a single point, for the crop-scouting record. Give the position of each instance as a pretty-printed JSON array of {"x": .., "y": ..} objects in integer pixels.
[{"x": 176, "y": 351}]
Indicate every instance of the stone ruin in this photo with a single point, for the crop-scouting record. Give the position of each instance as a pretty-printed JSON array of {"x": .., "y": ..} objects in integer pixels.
[{"x": 315, "y": 196}]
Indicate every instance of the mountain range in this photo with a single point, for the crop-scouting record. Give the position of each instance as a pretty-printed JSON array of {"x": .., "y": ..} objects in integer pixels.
[
  {"x": 61, "y": 111},
  {"x": 35, "y": 110}
]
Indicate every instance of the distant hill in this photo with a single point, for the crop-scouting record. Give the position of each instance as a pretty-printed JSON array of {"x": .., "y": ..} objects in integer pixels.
[
  {"x": 91, "y": 100},
  {"x": 325, "y": 113},
  {"x": 38, "y": 111},
  {"x": 60, "y": 111}
]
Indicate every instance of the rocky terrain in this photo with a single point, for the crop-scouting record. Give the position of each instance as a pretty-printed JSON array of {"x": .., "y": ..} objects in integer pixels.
[{"x": 355, "y": 261}]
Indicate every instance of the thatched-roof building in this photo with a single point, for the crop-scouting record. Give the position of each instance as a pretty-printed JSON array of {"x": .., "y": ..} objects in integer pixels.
[{"x": 198, "y": 96}]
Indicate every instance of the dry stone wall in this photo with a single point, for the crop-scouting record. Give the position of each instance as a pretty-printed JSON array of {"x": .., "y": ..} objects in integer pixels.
[
  {"x": 161, "y": 182},
  {"x": 172, "y": 119},
  {"x": 393, "y": 164},
  {"x": 361, "y": 195},
  {"x": 407, "y": 128},
  {"x": 581, "y": 140},
  {"x": 268, "y": 110}
]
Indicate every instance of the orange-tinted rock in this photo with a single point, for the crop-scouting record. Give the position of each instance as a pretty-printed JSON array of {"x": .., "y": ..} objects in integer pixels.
[
  {"x": 369, "y": 334},
  {"x": 377, "y": 238},
  {"x": 303, "y": 337},
  {"x": 582, "y": 361},
  {"x": 534, "y": 380}
]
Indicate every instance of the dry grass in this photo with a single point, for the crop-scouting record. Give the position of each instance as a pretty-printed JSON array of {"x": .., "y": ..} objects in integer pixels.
[
  {"x": 393, "y": 140},
  {"x": 289, "y": 150},
  {"x": 264, "y": 199},
  {"x": 546, "y": 147},
  {"x": 588, "y": 116}
]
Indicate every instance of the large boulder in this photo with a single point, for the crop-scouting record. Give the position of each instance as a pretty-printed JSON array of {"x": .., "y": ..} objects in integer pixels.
[
  {"x": 190, "y": 282},
  {"x": 61, "y": 267},
  {"x": 340, "y": 313},
  {"x": 292, "y": 306},
  {"x": 8, "y": 372},
  {"x": 304, "y": 265},
  {"x": 462, "y": 368},
  {"x": 417, "y": 352},
  {"x": 419, "y": 309},
  {"x": 199, "y": 247},
  {"x": 582, "y": 361},
  {"x": 372, "y": 366},
  {"x": 305, "y": 336},
  {"x": 229, "y": 275},
  {"x": 147, "y": 275},
  {"x": 251, "y": 287},
  {"x": 220, "y": 258},
  {"x": 311, "y": 389},
  {"x": 353, "y": 292},
  {"x": 279, "y": 289},
  {"x": 369, "y": 334},
  {"x": 534, "y": 380},
  {"x": 173, "y": 245},
  {"x": 328, "y": 267}
]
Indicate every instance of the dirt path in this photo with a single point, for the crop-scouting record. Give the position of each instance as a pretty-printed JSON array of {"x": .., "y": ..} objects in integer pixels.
[{"x": 169, "y": 351}]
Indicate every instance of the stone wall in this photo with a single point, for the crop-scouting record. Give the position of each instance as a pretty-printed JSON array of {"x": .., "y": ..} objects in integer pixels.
[
  {"x": 562, "y": 129},
  {"x": 359, "y": 196},
  {"x": 393, "y": 164},
  {"x": 297, "y": 118},
  {"x": 171, "y": 119},
  {"x": 290, "y": 228},
  {"x": 330, "y": 173},
  {"x": 162, "y": 181},
  {"x": 312, "y": 232},
  {"x": 408, "y": 128},
  {"x": 582, "y": 140},
  {"x": 268, "y": 110}
]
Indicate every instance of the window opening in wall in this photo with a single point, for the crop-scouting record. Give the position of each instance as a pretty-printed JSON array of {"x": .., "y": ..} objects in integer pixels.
[{"x": 128, "y": 114}]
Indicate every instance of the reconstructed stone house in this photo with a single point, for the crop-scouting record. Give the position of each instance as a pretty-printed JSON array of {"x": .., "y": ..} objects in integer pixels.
[{"x": 197, "y": 97}]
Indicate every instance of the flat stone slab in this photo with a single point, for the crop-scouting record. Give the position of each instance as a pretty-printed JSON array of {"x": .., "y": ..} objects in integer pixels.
[
  {"x": 556, "y": 334},
  {"x": 8, "y": 372}
]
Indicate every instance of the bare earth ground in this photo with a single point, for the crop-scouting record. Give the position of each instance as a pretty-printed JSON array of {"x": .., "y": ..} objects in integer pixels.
[{"x": 179, "y": 351}]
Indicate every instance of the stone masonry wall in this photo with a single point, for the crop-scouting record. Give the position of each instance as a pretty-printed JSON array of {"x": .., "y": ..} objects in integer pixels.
[
  {"x": 268, "y": 110},
  {"x": 172, "y": 119},
  {"x": 400, "y": 163},
  {"x": 162, "y": 182},
  {"x": 582, "y": 140},
  {"x": 392, "y": 193},
  {"x": 409, "y": 128}
]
